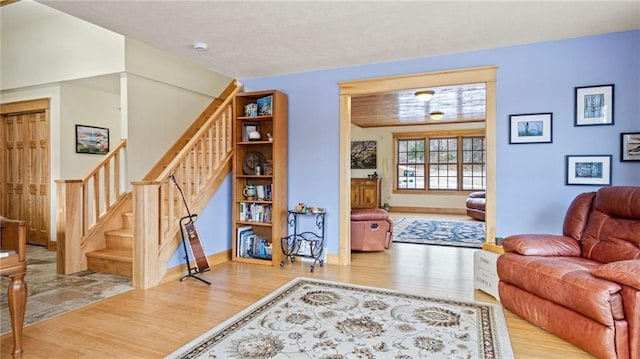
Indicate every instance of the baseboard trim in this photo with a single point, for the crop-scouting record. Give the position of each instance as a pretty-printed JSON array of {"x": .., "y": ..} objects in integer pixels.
[{"x": 178, "y": 272}]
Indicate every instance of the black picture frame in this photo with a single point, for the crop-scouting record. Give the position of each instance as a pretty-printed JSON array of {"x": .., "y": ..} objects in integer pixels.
[
  {"x": 594, "y": 105},
  {"x": 92, "y": 140},
  {"x": 630, "y": 146},
  {"x": 588, "y": 170},
  {"x": 531, "y": 128}
]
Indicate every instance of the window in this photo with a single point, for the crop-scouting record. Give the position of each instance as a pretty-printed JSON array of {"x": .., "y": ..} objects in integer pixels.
[
  {"x": 474, "y": 170},
  {"x": 443, "y": 163},
  {"x": 410, "y": 162},
  {"x": 455, "y": 163}
]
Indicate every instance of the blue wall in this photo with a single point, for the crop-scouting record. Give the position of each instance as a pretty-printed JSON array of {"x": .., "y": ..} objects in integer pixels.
[
  {"x": 531, "y": 192},
  {"x": 213, "y": 225}
]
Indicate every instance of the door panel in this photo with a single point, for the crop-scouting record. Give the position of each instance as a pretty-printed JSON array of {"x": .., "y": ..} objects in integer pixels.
[{"x": 25, "y": 172}]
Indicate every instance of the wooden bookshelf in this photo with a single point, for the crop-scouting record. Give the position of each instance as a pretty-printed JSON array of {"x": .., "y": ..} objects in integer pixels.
[{"x": 266, "y": 211}]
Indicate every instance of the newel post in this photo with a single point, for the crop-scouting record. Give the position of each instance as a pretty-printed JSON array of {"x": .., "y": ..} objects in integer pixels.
[
  {"x": 146, "y": 234},
  {"x": 69, "y": 227}
]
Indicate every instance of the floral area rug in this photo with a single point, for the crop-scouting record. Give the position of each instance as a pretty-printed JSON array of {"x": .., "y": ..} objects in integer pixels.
[
  {"x": 320, "y": 319},
  {"x": 438, "y": 232}
]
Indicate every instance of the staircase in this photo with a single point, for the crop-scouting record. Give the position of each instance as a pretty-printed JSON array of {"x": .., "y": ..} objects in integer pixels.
[
  {"x": 117, "y": 256},
  {"x": 134, "y": 234}
]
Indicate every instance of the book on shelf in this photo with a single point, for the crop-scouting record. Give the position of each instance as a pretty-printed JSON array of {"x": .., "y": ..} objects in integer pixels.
[
  {"x": 259, "y": 247},
  {"x": 251, "y": 245},
  {"x": 243, "y": 233},
  {"x": 263, "y": 192},
  {"x": 255, "y": 212}
]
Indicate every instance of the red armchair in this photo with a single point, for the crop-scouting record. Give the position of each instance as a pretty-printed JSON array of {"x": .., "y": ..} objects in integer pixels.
[
  {"x": 371, "y": 229},
  {"x": 584, "y": 285},
  {"x": 475, "y": 204}
]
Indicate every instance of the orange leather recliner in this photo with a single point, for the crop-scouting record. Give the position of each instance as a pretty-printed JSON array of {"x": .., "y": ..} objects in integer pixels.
[
  {"x": 371, "y": 229},
  {"x": 584, "y": 285}
]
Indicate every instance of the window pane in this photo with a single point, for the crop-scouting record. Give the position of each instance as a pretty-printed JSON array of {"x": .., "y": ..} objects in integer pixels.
[
  {"x": 467, "y": 157},
  {"x": 474, "y": 177},
  {"x": 411, "y": 146},
  {"x": 410, "y": 159}
]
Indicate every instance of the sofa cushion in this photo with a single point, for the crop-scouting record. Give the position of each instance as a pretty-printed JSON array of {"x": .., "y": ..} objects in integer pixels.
[
  {"x": 542, "y": 245},
  {"x": 625, "y": 272},
  {"x": 577, "y": 214},
  {"x": 566, "y": 281},
  {"x": 613, "y": 228}
]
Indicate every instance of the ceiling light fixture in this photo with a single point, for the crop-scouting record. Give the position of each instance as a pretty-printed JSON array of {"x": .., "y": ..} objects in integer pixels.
[
  {"x": 200, "y": 46},
  {"x": 436, "y": 115},
  {"x": 424, "y": 95}
]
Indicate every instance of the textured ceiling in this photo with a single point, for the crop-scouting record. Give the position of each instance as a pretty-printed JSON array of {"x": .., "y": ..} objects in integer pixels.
[{"x": 264, "y": 38}]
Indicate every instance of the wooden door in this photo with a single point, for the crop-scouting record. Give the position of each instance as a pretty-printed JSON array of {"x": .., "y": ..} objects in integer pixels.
[{"x": 24, "y": 173}]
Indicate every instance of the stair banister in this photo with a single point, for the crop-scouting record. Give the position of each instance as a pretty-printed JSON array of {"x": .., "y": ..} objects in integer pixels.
[
  {"x": 199, "y": 167},
  {"x": 83, "y": 205}
]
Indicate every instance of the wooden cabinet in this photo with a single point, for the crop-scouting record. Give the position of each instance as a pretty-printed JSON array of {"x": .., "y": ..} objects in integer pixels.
[
  {"x": 365, "y": 192},
  {"x": 259, "y": 177}
]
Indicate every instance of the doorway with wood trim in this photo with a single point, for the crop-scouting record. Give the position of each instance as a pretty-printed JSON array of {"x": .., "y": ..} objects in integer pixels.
[
  {"x": 25, "y": 167},
  {"x": 349, "y": 89}
]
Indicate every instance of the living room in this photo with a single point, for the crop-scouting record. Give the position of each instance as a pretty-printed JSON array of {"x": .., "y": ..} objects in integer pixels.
[{"x": 530, "y": 193}]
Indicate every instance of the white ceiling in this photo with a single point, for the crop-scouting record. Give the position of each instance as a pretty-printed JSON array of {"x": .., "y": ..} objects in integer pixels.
[{"x": 264, "y": 38}]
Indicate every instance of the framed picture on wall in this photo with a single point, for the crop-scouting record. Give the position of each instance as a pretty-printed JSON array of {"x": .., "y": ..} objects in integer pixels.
[
  {"x": 589, "y": 170},
  {"x": 630, "y": 146},
  {"x": 530, "y": 128},
  {"x": 90, "y": 139},
  {"x": 594, "y": 105},
  {"x": 364, "y": 154}
]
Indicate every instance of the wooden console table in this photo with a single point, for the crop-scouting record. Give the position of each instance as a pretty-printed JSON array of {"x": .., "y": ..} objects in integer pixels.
[{"x": 13, "y": 235}]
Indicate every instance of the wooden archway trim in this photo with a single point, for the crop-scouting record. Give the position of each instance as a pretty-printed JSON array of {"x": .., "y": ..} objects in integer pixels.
[{"x": 485, "y": 74}]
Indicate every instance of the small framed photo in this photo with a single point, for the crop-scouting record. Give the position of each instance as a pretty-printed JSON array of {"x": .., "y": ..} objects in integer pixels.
[
  {"x": 630, "y": 146},
  {"x": 264, "y": 105},
  {"x": 249, "y": 128},
  {"x": 93, "y": 140},
  {"x": 594, "y": 105},
  {"x": 530, "y": 128},
  {"x": 589, "y": 170}
]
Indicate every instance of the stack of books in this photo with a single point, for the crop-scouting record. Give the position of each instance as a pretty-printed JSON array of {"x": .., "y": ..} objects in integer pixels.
[
  {"x": 255, "y": 212},
  {"x": 251, "y": 245}
]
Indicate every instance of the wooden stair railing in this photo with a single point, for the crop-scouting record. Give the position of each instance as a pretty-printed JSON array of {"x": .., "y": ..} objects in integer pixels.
[
  {"x": 84, "y": 205},
  {"x": 200, "y": 166}
]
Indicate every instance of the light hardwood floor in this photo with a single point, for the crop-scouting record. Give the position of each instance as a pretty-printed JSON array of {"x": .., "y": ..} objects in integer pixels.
[{"x": 155, "y": 322}]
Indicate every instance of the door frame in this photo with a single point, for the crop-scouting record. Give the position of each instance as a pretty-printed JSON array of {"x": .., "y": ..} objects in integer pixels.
[
  {"x": 25, "y": 106},
  {"x": 348, "y": 89}
]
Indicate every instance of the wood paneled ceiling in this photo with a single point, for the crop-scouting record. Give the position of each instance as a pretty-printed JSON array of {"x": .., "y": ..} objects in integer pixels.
[{"x": 460, "y": 103}]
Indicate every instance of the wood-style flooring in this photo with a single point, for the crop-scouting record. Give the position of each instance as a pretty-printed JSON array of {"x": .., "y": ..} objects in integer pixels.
[{"x": 155, "y": 322}]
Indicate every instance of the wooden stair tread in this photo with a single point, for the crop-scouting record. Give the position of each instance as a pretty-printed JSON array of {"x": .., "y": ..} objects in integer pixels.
[
  {"x": 122, "y": 232},
  {"x": 112, "y": 254}
]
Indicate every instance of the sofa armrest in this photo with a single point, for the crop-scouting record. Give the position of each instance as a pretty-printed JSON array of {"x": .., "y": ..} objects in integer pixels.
[
  {"x": 542, "y": 245},
  {"x": 623, "y": 272}
]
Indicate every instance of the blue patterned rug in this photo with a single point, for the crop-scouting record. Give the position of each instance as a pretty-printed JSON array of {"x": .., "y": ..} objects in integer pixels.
[{"x": 439, "y": 232}]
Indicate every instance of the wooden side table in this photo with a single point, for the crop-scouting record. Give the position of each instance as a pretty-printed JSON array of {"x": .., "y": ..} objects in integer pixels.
[{"x": 13, "y": 235}]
